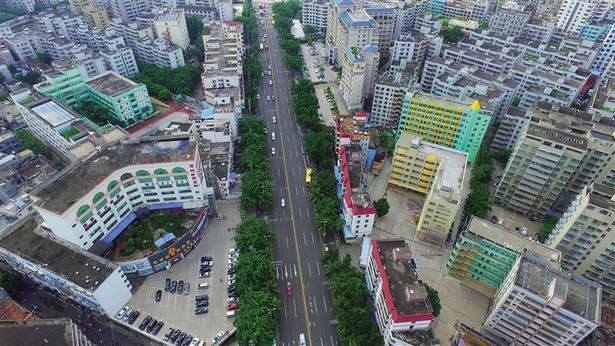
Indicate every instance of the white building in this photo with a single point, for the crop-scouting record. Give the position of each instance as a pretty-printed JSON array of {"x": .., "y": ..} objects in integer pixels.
[
  {"x": 21, "y": 45},
  {"x": 389, "y": 96},
  {"x": 539, "y": 305},
  {"x": 171, "y": 27},
  {"x": 400, "y": 298},
  {"x": 225, "y": 9},
  {"x": 512, "y": 127},
  {"x": 128, "y": 10},
  {"x": 159, "y": 54},
  {"x": 74, "y": 274},
  {"x": 121, "y": 60},
  {"x": 573, "y": 14},
  {"x": 315, "y": 14},
  {"x": 359, "y": 68},
  {"x": 153, "y": 175}
]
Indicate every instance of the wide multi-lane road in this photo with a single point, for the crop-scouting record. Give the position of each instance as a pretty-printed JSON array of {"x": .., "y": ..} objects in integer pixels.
[{"x": 308, "y": 310}]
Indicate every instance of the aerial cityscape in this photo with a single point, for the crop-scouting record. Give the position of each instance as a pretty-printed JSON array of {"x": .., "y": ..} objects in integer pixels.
[{"x": 307, "y": 172}]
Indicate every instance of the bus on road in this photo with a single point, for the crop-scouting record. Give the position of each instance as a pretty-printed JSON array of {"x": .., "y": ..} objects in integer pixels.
[
  {"x": 261, "y": 46},
  {"x": 308, "y": 176}
]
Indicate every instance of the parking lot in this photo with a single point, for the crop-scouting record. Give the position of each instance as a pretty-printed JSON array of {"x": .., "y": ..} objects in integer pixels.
[{"x": 177, "y": 310}]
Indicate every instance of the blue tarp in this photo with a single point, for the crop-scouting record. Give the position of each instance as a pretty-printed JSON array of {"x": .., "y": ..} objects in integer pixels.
[
  {"x": 336, "y": 172},
  {"x": 369, "y": 160},
  {"x": 233, "y": 176},
  {"x": 163, "y": 240},
  {"x": 365, "y": 247},
  {"x": 347, "y": 231},
  {"x": 207, "y": 113},
  {"x": 165, "y": 206},
  {"x": 119, "y": 229},
  {"x": 20, "y": 204}
]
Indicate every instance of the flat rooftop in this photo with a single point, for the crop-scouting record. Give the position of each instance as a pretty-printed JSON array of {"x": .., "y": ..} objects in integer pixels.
[
  {"x": 596, "y": 199},
  {"x": 557, "y": 136},
  {"x": 581, "y": 296},
  {"x": 354, "y": 161},
  {"x": 402, "y": 282},
  {"x": 111, "y": 84},
  {"x": 60, "y": 194},
  {"x": 57, "y": 332},
  {"x": 75, "y": 265},
  {"x": 510, "y": 240},
  {"x": 52, "y": 112}
]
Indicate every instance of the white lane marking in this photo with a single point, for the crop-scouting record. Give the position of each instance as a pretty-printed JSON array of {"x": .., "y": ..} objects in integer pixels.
[
  {"x": 324, "y": 302},
  {"x": 287, "y": 242},
  {"x": 312, "y": 234},
  {"x": 318, "y": 267},
  {"x": 304, "y": 242},
  {"x": 309, "y": 268}
]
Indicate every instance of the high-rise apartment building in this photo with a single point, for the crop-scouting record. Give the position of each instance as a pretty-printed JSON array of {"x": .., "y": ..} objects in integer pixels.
[
  {"x": 459, "y": 125},
  {"x": 511, "y": 129},
  {"x": 508, "y": 21},
  {"x": 128, "y": 10},
  {"x": 389, "y": 96},
  {"x": 435, "y": 171},
  {"x": 78, "y": 5},
  {"x": 171, "y": 26},
  {"x": 485, "y": 253},
  {"x": 385, "y": 19},
  {"x": 573, "y": 14},
  {"x": 96, "y": 17},
  {"x": 541, "y": 167},
  {"x": 359, "y": 69},
  {"x": 584, "y": 235},
  {"x": 538, "y": 305},
  {"x": 315, "y": 14}
]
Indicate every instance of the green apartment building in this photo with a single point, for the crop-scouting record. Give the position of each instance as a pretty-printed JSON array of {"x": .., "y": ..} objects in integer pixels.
[
  {"x": 128, "y": 101},
  {"x": 67, "y": 87},
  {"x": 455, "y": 124},
  {"x": 485, "y": 253}
]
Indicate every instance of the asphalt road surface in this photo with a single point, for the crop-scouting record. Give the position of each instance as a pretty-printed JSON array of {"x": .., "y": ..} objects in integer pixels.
[{"x": 298, "y": 248}]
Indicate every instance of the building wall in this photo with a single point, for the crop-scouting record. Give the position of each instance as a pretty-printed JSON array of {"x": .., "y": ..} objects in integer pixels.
[
  {"x": 439, "y": 211},
  {"x": 95, "y": 17},
  {"x": 441, "y": 121},
  {"x": 511, "y": 129},
  {"x": 113, "y": 293},
  {"x": 128, "y": 10},
  {"x": 87, "y": 221},
  {"x": 536, "y": 174},
  {"x": 314, "y": 14},
  {"x": 68, "y": 88},
  {"x": 174, "y": 31},
  {"x": 352, "y": 81},
  {"x": 134, "y": 105},
  {"x": 386, "y": 104}
]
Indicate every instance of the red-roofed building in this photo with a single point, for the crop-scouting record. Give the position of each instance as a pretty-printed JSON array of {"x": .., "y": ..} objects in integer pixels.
[
  {"x": 10, "y": 310},
  {"x": 400, "y": 298}
]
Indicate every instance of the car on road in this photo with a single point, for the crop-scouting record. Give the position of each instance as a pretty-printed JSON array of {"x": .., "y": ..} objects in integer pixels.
[
  {"x": 218, "y": 337},
  {"x": 157, "y": 328},
  {"x": 268, "y": 66},
  {"x": 289, "y": 288},
  {"x": 268, "y": 98},
  {"x": 122, "y": 312},
  {"x": 167, "y": 336},
  {"x": 258, "y": 96},
  {"x": 173, "y": 287},
  {"x": 133, "y": 317},
  {"x": 202, "y": 297},
  {"x": 270, "y": 82},
  {"x": 232, "y": 306},
  {"x": 158, "y": 295},
  {"x": 262, "y": 74},
  {"x": 200, "y": 311},
  {"x": 272, "y": 151},
  {"x": 180, "y": 287},
  {"x": 167, "y": 284},
  {"x": 145, "y": 322},
  {"x": 201, "y": 303},
  {"x": 282, "y": 202},
  {"x": 274, "y": 120},
  {"x": 187, "y": 288},
  {"x": 272, "y": 98},
  {"x": 269, "y": 73}
]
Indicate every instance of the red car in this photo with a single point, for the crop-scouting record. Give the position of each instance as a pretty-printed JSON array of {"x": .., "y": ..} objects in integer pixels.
[
  {"x": 289, "y": 289},
  {"x": 233, "y": 306}
]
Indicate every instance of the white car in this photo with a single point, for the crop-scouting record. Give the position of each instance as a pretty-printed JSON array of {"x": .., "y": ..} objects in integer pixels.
[
  {"x": 218, "y": 337},
  {"x": 283, "y": 203},
  {"x": 232, "y": 300},
  {"x": 274, "y": 121},
  {"x": 233, "y": 255},
  {"x": 269, "y": 72},
  {"x": 258, "y": 96},
  {"x": 231, "y": 282},
  {"x": 272, "y": 151},
  {"x": 127, "y": 314},
  {"x": 231, "y": 277},
  {"x": 270, "y": 82},
  {"x": 123, "y": 312},
  {"x": 268, "y": 98},
  {"x": 232, "y": 250},
  {"x": 268, "y": 66}
]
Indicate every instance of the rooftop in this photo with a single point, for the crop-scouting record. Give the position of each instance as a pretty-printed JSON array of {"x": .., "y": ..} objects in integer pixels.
[
  {"x": 220, "y": 169},
  {"x": 470, "y": 337},
  {"x": 61, "y": 258},
  {"x": 11, "y": 310},
  {"x": 405, "y": 293},
  {"x": 37, "y": 332},
  {"x": 52, "y": 112},
  {"x": 510, "y": 240},
  {"x": 111, "y": 84},
  {"x": 169, "y": 15},
  {"x": 557, "y": 136},
  {"x": 416, "y": 337},
  {"x": 70, "y": 187},
  {"x": 357, "y": 19},
  {"x": 581, "y": 296},
  {"x": 596, "y": 199}
]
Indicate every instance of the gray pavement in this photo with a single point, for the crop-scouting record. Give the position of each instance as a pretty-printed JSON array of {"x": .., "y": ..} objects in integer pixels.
[
  {"x": 459, "y": 303},
  {"x": 177, "y": 311}
]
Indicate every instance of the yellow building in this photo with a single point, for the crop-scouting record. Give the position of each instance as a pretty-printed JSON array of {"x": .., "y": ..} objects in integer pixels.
[
  {"x": 435, "y": 171},
  {"x": 96, "y": 17}
]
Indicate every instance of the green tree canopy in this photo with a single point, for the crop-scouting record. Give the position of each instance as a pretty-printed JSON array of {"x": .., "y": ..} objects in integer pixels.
[
  {"x": 434, "y": 298},
  {"x": 32, "y": 143},
  {"x": 317, "y": 146},
  {"x": 9, "y": 281},
  {"x": 43, "y": 57},
  {"x": 382, "y": 207}
]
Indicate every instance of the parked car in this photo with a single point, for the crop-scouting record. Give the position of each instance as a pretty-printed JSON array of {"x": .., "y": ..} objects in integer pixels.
[
  {"x": 122, "y": 312},
  {"x": 202, "y": 297},
  {"x": 231, "y": 250},
  {"x": 207, "y": 258},
  {"x": 500, "y": 221},
  {"x": 158, "y": 295},
  {"x": 494, "y": 219},
  {"x": 230, "y": 271},
  {"x": 232, "y": 306},
  {"x": 145, "y": 322},
  {"x": 157, "y": 328},
  {"x": 180, "y": 287},
  {"x": 231, "y": 277},
  {"x": 187, "y": 288},
  {"x": 127, "y": 314},
  {"x": 205, "y": 269},
  {"x": 524, "y": 231},
  {"x": 181, "y": 338},
  {"x": 232, "y": 300},
  {"x": 167, "y": 285},
  {"x": 200, "y": 311},
  {"x": 173, "y": 286},
  {"x": 175, "y": 335},
  {"x": 187, "y": 340},
  {"x": 133, "y": 317},
  {"x": 167, "y": 336},
  {"x": 204, "y": 275},
  {"x": 207, "y": 263},
  {"x": 201, "y": 303},
  {"x": 218, "y": 337},
  {"x": 151, "y": 326}
]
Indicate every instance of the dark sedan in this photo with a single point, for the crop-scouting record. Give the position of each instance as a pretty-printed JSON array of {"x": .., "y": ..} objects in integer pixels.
[
  {"x": 158, "y": 295},
  {"x": 145, "y": 322},
  {"x": 173, "y": 286},
  {"x": 167, "y": 285},
  {"x": 133, "y": 317},
  {"x": 157, "y": 328},
  {"x": 201, "y": 303},
  {"x": 180, "y": 287}
]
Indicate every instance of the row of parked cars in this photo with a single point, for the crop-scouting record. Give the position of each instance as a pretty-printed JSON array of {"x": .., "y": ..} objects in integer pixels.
[{"x": 179, "y": 338}]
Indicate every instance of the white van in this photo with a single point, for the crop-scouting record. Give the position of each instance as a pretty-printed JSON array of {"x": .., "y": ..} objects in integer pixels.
[
  {"x": 203, "y": 286},
  {"x": 230, "y": 314},
  {"x": 302, "y": 340},
  {"x": 273, "y": 136}
]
